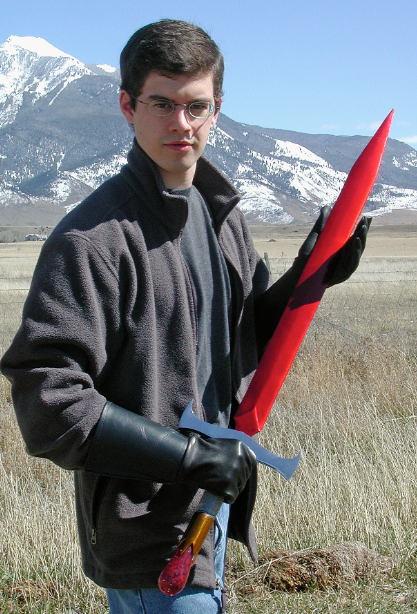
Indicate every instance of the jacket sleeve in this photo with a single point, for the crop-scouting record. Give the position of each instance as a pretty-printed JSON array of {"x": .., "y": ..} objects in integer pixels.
[{"x": 60, "y": 353}]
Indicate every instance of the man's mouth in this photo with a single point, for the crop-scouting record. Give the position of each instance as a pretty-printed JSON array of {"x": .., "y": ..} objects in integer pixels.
[{"x": 179, "y": 145}]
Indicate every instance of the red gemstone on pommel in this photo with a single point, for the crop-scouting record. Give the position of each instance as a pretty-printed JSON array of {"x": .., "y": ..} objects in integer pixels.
[{"x": 174, "y": 577}]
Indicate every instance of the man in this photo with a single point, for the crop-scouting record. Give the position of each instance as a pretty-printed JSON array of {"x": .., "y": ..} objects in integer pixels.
[{"x": 148, "y": 295}]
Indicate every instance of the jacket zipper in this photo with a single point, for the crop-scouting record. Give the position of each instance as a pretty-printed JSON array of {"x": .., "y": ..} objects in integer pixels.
[
  {"x": 194, "y": 305},
  {"x": 97, "y": 499},
  {"x": 194, "y": 314},
  {"x": 237, "y": 308},
  {"x": 193, "y": 296}
]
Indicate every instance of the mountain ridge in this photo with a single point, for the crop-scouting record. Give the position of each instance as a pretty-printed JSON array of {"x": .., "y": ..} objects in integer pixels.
[{"x": 62, "y": 134}]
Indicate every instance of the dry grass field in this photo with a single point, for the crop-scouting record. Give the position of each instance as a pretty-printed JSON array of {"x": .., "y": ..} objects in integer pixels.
[{"x": 349, "y": 403}]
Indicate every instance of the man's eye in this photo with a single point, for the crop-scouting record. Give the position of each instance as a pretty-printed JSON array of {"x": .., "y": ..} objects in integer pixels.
[
  {"x": 162, "y": 105},
  {"x": 199, "y": 109},
  {"x": 199, "y": 106}
]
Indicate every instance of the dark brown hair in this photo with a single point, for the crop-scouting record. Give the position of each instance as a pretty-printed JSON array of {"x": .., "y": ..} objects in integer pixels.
[{"x": 169, "y": 47}]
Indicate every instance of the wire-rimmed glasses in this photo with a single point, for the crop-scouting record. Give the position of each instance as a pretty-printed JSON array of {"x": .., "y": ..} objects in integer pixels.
[{"x": 200, "y": 109}]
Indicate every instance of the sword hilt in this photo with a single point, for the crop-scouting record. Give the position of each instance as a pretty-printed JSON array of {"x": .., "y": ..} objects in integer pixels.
[{"x": 175, "y": 574}]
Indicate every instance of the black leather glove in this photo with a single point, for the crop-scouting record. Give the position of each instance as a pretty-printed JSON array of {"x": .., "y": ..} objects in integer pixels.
[
  {"x": 221, "y": 466},
  {"x": 270, "y": 305},
  {"x": 307, "y": 247},
  {"x": 346, "y": 260},
  {"x": 130, "y": 446}
]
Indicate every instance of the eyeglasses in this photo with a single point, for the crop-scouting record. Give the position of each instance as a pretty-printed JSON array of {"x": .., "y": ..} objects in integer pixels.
[{"x": 163, "y": 108}]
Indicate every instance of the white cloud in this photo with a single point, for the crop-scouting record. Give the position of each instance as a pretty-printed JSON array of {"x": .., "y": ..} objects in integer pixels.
[
  {"x": 370, "y": 126},
  {"x": 409, "y": 139}
]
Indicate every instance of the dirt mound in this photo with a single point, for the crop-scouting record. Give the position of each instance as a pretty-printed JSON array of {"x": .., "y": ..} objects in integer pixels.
[{"x": 337, "y": 566}]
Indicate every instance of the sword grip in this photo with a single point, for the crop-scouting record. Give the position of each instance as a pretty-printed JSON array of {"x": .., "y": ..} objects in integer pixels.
[{"x": 175, "y": 574}]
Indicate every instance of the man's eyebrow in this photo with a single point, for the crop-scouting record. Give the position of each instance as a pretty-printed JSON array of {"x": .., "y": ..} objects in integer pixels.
[
  {"x": 157, "y": 97},
  {"x": 166, "y": 99}
]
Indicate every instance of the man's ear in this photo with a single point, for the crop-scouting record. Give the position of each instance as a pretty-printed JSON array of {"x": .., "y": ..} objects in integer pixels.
[
  {"x": 126, "y": 109},
  {"x": 216, "y": 113}
]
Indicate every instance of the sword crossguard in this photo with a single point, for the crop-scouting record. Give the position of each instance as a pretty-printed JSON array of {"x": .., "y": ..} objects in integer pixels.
[{"x": 284, "y": 466}]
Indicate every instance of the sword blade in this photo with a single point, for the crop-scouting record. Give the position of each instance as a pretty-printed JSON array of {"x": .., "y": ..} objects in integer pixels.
[{"x": 279, "y": 355}]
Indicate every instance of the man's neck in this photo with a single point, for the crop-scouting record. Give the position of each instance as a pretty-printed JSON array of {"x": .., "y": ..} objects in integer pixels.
[{"x": 178, "y": 181}]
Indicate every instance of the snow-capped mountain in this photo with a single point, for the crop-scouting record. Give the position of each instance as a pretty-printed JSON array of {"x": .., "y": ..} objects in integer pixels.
[
  {"x": 62, "y": 134},
  {"x": 31, "y": 68}
]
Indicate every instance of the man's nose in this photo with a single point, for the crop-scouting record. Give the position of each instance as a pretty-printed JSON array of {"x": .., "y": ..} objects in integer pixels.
[{"x": 181, "y": 118}]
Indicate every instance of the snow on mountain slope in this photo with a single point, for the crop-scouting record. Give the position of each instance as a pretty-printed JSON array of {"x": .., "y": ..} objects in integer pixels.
[
  {"x": 107, "y": 68},
  {"x": 36, "y": 45},
  {"x": 387, "y": 198},
  {"x": 32, "y": 68},
  {"x": 260, "y": 203},
  {"x": 267, "y": 179},
  {"x": 95, "y": 174}
]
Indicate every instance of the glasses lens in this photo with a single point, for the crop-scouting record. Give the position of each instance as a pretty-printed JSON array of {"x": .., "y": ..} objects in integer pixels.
[
  {"x": 200, "y": 110},
  {"x": 161, "y": 107}
]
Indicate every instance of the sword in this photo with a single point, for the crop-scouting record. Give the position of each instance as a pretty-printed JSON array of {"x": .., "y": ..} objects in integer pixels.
[
  {"x": 174, "y": 576},
  {"x": 283, "y": 346}
]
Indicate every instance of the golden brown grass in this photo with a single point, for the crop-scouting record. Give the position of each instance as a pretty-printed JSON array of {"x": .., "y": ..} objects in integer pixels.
[{"x": 349, "y": 403}]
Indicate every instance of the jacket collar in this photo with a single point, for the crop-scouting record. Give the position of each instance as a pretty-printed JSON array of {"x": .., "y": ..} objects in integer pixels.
[{"x": 172, "y": 209}]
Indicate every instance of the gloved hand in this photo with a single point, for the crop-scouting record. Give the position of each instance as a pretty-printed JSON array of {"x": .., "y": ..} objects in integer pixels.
[
  {"x": 307, "y": 247},
  {"x": 270, "y": 305},
  {"x": 346, "y": 260},
  {"x": 221, "y": 466},
  {"x": 127, "y": 445}
]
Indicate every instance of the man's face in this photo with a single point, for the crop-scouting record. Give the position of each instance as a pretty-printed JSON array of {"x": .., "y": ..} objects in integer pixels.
[{"x": 174, "y": 142}]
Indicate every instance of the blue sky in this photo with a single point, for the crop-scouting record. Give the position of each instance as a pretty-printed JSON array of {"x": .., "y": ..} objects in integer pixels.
[{"x": 310, "y": 66}]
